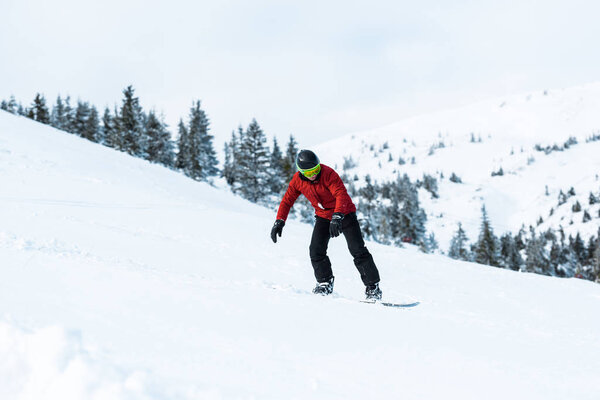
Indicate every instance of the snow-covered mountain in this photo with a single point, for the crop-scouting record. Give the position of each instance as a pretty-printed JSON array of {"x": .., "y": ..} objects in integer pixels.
[
  {"x": 125, "y": 280},
  {"x": 515, "y": 134}
]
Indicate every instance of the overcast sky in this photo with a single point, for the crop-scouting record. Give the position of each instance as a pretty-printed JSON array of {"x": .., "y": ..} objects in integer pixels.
[{"x": 315, "y": 69}]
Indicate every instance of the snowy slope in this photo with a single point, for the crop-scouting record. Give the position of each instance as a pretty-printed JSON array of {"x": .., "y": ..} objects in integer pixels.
[
  {"x": 509, "y": 129},
  {"x": 122, "y": 279}
]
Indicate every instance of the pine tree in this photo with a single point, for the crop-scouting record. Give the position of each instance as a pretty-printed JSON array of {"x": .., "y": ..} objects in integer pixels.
[
  {"x": 277, "y": 176},
  {"x": 537, "y": 259},
  {"x": 430, "y": 184},
  {"x": 367, "y": 206},
  {"x": 39, "y": 110},
  {"x": 160, "y": 146},
  {"x": 595, "y": 260},
  {"x": 386, "y": 214},
  {"x": 208, "y": 157},
  {"x": 86, "y": 122},
  {"x": 231, "y": 150},
  {"x": 458, "y": 245},
  {"x": 562, "y": 198},
  {"x": 203, "y": 143},
  {"x": 69, "y": 116},
  {"x": 227, "y": 163},
  {"x": 196, "y": 153},
  {"x": 386, "y": 228},
  {"x": 184, "y": 149},
  {"x": 555, "y": 257},
  {"x": 565, "y": 256},
  {"x": 289, "y": 163},
  {"x": 253, "y": 164},
  {"x": 59, "y": 118},
  {"x": 578, "y": 248},
  {"x": 109, "y": 133},
  {"x": 406, "y": 217},
  {"x": 572, "y": 265},
  {"x": 82, "y": 113},
  {"x": 11, "y": 105},
  {"x": 486, "y": 248},
  {"x": 591, "y": 250},
  {"x": 510, "y": 257},
  {"x": 519, "y": 239},
  {"x": 143, "y": 139},
  {"x": 91, "y": 130},
  {"x": 130, "y": 123},
  {"x": 23, "y": 111},
  {"x": 118, "y": 131}
]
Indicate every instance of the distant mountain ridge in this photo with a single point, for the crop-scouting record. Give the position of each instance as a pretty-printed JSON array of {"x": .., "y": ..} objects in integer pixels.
[{"x": 514, "y": 154}]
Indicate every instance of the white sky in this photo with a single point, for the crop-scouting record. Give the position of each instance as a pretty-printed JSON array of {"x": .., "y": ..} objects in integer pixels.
[{"x": 316, "y": 69}]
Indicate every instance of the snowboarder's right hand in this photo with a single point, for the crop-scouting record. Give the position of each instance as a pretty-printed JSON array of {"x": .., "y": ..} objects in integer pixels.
[{"x": 277, "y": 229}]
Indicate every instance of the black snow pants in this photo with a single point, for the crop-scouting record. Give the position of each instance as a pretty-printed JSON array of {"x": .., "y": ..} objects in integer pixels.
[{"x": 351, "y": 230}]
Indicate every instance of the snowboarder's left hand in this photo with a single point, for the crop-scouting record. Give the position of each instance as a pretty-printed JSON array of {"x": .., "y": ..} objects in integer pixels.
[
  {"x": 335, "y": 227},
  {"x": 277, "y": 229}
]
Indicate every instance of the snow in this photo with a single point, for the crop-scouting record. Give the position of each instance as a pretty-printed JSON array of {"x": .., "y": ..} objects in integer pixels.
[
  {"x": 509, "y": 129},
  {"x": 122, "y": 279},
  {"x": 50, "y": 363}
]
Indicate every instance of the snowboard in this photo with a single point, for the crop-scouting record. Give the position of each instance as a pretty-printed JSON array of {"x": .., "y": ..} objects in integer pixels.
[
  {"x": 394, "y": 305},
  {"x": 334, "y": 295}
]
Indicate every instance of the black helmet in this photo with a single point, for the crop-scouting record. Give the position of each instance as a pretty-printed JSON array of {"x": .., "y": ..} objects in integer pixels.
[{"x": 306, "y": 159}]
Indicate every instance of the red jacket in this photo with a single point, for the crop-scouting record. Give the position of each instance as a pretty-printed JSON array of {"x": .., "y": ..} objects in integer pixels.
[{"x": 327, "y": 194}]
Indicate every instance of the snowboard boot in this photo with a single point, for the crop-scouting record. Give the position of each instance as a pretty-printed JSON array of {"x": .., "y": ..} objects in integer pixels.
[
  {"x": 324, "y": 288},
  {"x": 372, "y": 292}
]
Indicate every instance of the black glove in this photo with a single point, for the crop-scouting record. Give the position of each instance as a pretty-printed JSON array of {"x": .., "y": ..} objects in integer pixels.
[
  {"x": 335, "y": 227},
  {"x": 277, "y": 229}
]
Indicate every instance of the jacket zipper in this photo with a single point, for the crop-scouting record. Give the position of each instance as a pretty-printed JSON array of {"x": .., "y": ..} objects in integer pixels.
[{"x": 319, "y": 203}]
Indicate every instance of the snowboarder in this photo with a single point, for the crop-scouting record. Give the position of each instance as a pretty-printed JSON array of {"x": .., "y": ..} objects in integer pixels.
[{"x": 335, "y": 213}]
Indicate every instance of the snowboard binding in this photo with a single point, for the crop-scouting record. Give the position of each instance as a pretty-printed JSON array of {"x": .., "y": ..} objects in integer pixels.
[{"x": 324, "y": 288}]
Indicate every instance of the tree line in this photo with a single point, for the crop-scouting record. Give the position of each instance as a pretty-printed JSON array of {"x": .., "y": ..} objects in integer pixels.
[
  {"x": 389, "y": 212},
  {"x": 128, "y": 128},
  {"x": 549, "y": 253},
  {"x": 251, "y": 168}
]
